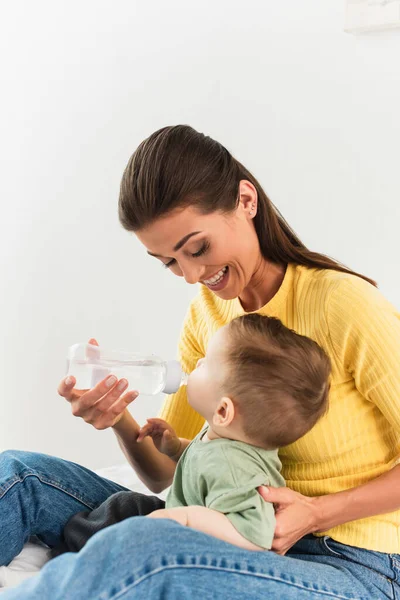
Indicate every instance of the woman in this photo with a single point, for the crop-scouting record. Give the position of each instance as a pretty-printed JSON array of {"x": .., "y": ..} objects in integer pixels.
[{"x": 201, "y": 213}]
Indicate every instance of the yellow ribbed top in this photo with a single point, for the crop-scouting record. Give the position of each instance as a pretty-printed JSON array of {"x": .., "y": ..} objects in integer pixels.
[{"x": 359, "y": 437}]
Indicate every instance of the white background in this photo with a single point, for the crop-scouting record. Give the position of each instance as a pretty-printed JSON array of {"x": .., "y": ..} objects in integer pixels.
[
  {"x": 364, "y": 15},
  {"x": 312, "y": 111}
]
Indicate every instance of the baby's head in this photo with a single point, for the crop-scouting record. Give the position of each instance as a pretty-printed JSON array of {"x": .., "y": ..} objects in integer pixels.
[{"x": 260, "y": 382}]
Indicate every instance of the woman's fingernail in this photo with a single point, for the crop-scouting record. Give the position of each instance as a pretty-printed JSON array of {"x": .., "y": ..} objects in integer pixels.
[
  {"x": 111, "y": 380},
  {"x": 68, "y": 380},
  {"x": 122, "y": 385}
]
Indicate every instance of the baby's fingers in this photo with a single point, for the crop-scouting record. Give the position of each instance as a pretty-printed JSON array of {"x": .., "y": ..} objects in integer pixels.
[
  {"x": 159, "y": 423},
  {"x": 144, "y": 431}
]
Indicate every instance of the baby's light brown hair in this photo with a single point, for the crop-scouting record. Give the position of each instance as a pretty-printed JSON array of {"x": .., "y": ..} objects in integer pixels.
[{"x": 277, "y": 379}]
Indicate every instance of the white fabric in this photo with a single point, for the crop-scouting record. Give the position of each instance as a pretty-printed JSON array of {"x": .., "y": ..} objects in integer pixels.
[
  {"x": 35, "y": 555},
  {"x": 27, "y": 563}
]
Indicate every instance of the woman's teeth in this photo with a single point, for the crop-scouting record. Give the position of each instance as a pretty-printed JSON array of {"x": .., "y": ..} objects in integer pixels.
[{"x": 217, "y": 277}]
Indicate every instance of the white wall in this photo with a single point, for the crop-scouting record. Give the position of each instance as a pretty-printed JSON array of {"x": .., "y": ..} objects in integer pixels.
[{"x": 312, "y": 111}]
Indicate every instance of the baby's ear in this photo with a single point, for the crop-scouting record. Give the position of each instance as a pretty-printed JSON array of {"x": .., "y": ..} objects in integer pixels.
[{"x": 224, "y": 412}]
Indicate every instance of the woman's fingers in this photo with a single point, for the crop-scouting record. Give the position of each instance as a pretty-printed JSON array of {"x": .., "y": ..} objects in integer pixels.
[
  {"x": 105, "y": 386},
  {"x": 115, "y": 411},
  {"x": 92, "y": 350},
  {"x": 102, "y": 405},
  {"x": 92, "y": 403},
  {"x": 66, "y": 387},
  {"x": 111, "y": 394}
]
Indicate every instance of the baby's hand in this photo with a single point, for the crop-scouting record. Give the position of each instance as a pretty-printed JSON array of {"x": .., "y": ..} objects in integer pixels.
[{"x": 163, "y": 436}]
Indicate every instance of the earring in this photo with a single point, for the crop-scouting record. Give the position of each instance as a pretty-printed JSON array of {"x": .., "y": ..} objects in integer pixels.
[{"x": 253, "y": 207}]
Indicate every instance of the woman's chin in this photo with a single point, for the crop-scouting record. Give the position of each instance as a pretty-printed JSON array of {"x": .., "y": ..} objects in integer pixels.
[
  {"x": 229, "y": 293},
  {"x": 226, "y": 295}
]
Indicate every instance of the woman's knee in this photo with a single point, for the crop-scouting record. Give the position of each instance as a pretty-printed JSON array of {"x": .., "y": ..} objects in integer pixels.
[
  {"x": 17, "y": 462},
  {"x": 12, "y": 457}
]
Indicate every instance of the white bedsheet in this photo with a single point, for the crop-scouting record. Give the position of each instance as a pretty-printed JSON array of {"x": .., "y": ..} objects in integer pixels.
[{"x": 34, "y": 555}]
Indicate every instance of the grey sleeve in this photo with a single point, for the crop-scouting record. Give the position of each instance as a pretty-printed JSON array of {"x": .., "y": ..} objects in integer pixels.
[{"x": 118, "y": 507}]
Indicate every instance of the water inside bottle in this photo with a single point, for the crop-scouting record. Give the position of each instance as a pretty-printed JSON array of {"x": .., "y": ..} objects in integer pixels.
[{"x": 145, "y": 376}]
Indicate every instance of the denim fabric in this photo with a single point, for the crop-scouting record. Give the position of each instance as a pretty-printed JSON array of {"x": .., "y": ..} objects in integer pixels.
[
  {"x": 153, "y": 559},
  {"x": 157, "y": 559},
  {"x": 39, "y": 493}
]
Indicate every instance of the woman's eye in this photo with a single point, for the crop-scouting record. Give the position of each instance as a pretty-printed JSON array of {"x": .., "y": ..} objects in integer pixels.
[
  {"x": 203, "y": 250},
  {"x": 205, "y": 247},
  {"x": 169, "y": 264}
]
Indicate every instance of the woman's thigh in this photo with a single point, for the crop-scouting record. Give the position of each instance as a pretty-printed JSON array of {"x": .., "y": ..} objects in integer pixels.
[
  {"x": 39, "y": 493},
  {"x": 143, "y": 558},
  {"x": 377, "y": 571}
]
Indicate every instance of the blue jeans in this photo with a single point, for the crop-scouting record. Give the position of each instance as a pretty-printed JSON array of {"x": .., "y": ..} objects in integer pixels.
[
  {"x": 153, "y": 559},
  {"x": 38, "y": 495}
]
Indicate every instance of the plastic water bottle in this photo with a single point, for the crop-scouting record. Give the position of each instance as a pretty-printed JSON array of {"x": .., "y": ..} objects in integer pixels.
[{"x": 148, "y": 375}]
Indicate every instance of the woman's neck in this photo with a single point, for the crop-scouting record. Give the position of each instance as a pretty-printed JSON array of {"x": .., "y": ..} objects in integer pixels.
[{"x": 266, "y": 281}]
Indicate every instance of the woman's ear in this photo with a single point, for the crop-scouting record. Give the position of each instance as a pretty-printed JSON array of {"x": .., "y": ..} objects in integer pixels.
[
  {"x": 248, "y": 198},
  {"x": 224, "y": 413}
]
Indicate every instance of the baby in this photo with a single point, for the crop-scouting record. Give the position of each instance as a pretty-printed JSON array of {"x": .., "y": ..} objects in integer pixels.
[{"x": 261, "y": 386}]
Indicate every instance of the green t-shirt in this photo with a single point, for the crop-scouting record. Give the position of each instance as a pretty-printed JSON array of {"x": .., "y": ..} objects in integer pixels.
[{"x": 224, "y": 475}]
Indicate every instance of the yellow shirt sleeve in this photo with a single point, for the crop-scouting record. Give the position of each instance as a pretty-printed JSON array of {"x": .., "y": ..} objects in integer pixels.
[
  {"x": 365, "y": 332},
  {"x": 176, "y": 410}
]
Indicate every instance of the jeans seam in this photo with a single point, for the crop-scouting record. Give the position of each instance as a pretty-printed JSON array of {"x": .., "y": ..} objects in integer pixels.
[
  {"x": 391, "y": 580},
  {"x": 330, "y": 549},
  {"x": 21, "y": 479},
  {"x": 10, "y": 482},
  {"x": 395, "y": 561},
  {"x": 395, "y": 564},
  {"x": 141, "y": 579}
]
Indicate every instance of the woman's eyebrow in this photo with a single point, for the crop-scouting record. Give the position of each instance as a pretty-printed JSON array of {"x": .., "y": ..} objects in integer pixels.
[{"x": 179, "y": 245}]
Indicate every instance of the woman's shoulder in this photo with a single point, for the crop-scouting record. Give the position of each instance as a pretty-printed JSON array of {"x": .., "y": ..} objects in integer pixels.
[
  {"x": 337, "y": 287},
  {"x": 342, "y": 300}
]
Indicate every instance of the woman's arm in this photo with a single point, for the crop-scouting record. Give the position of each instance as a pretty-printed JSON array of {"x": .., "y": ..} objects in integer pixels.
[
  {"x": 208, "y": 521},
  {"x": 379, "y": 496},
  {"x": 297, "y": 515},
  {"x": 154, "y": 469},
  {"x": 364, "y": 329}
]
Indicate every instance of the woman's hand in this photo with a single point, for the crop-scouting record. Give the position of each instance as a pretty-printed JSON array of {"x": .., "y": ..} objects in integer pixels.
[
  {"x": 163, "y": 436},
  {"x": 296, "y": 515},
  {"x": 102, "y": 406}
]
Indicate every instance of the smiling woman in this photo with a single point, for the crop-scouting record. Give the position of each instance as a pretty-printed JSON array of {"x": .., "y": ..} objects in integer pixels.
[
  {"x": 221, "y": 250},
  {"x": 178, "y": 168},
  {"x": 212, "y": 224},
  {"x": 202, "y": 214}
]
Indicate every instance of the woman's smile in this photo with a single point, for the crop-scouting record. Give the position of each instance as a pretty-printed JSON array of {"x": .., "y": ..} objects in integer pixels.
[{"x": 218, "y": 281}]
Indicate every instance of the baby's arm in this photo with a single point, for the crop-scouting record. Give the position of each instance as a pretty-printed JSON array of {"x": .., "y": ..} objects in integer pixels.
[
  {"x": 164, "y": 438},
  {"x": 208, "y": 521}
]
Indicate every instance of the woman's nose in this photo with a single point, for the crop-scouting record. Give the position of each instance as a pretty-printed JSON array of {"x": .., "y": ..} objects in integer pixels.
[{"x": 191, "y": 273}]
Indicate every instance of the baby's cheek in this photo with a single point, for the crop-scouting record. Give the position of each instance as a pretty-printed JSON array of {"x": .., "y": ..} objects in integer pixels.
[
  {"x": 195, "y": 388},
  {"x": 191, "y": 385}
]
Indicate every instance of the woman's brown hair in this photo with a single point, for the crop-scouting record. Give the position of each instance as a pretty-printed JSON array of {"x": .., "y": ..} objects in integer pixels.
[{"x": 177, "y": 166}]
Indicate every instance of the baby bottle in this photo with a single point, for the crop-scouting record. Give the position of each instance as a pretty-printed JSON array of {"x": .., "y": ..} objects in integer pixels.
[{"x": 148, "y": 375}]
